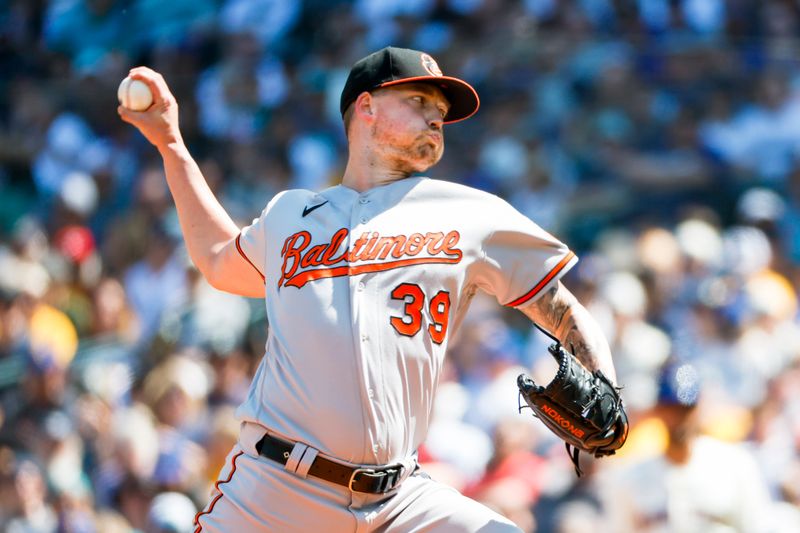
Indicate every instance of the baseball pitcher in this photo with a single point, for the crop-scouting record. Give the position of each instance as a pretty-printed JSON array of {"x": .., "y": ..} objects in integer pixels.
[{"x": 364, "y": 283}]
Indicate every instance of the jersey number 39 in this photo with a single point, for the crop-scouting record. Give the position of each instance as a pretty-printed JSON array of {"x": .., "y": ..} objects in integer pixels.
[{"x": 411, "y": 322}]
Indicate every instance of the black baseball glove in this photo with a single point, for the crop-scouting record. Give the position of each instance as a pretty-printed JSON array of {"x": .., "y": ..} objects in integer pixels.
[{"x": 582, "y": 408}]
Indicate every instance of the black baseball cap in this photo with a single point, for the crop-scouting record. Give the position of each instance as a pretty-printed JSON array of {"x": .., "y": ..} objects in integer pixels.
[{"x": 393, "y": 66}]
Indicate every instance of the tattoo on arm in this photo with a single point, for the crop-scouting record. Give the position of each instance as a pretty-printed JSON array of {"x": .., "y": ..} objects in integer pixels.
[
  {"x": 553, "y": 312},
  {"x": 559, "y": 312}
]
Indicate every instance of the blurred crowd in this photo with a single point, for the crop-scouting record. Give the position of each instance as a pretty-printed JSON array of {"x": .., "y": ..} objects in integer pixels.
[{"x": 659, "y": 138}]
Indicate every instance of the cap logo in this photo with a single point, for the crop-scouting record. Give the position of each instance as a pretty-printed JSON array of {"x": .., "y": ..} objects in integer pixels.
[{"x": 429, "y": 64}]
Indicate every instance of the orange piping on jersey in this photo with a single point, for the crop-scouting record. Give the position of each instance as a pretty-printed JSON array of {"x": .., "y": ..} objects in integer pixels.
[
  {"x": 310, "y": 275},
  {"x": 218, "y": 496},
  {"x": 241, "y": 252},
  {"x": 543, "y": 283}
]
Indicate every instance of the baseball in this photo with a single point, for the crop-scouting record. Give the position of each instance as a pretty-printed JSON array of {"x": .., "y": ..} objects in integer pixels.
[{"x": 134, "y": 94}]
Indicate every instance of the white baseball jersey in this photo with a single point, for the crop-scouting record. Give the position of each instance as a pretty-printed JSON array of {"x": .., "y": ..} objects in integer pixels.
[{"x": 363, "y": 291}]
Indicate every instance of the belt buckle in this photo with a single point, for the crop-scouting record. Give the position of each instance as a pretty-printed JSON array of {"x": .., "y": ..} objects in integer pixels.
[
  {"x": 357, "y": 471},
  {"x": 386, "y": 484}
]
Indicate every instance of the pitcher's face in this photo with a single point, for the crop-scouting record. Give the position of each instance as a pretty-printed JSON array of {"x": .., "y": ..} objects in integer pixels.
[{"x": 407, "y": 131}]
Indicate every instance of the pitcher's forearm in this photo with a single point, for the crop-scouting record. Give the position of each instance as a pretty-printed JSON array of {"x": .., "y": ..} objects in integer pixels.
[
  {"x": 205, "y": 225},
  {"x": 207, "y": 229},
  {"x": 582, "y": 335},
  {"x": 569, "y": 321}
]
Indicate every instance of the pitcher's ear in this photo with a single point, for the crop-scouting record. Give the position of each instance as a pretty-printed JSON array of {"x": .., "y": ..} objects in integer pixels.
[{"x": 365, "y": 104}]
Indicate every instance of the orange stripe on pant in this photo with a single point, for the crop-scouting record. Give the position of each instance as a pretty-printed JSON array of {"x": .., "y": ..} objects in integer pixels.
[{"x": 218, "y": 496}]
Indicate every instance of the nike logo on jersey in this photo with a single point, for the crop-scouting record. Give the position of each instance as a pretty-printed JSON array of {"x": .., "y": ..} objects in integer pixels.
[
  {"x": 307, "y": 210},
  {"x": 368, "y": 253}
]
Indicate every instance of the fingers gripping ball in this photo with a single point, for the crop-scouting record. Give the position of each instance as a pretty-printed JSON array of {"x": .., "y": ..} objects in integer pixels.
[
  {"x": 134, "y": 94},
  {"x": 582, "y": 408}
]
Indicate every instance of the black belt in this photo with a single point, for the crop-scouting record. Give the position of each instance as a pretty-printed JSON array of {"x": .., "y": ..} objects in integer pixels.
[{"x": 377, "y": 480}]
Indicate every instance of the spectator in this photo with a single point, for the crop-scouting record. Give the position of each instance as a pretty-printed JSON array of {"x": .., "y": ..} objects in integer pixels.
[
  {"x": 157, "y": 284},
  {"x": 35, "y": 515},
  {"x": 694, "y": 486},
  {"x": 170, "y": 512},
  {"x": 513, "y": 476}
]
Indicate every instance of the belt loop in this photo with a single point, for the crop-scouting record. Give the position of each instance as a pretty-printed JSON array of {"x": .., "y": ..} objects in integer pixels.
[
  {"x": 306, "y": 461},
  {"x": 294, "y": 458},
  {"x": 249, "y": 435}
]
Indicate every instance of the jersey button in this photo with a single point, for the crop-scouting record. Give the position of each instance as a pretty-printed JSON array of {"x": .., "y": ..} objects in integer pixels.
[
  {"x": 370, "y": 393},
  {"x": 363, "y": 220},
  {"x": 361, "y": 285},
  {"x": 365, "y": 337},
  {"x": 363, "y": 201}
]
